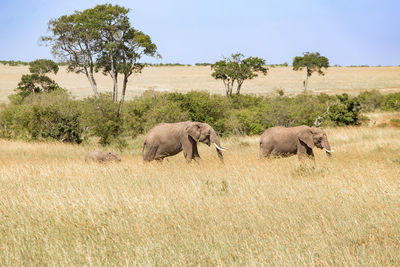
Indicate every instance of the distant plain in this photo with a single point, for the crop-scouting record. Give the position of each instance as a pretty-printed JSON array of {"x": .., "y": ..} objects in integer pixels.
[{"x": 187, "y": 78}]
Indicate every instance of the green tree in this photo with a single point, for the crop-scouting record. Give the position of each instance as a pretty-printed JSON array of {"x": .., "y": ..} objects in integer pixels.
[
  {"x": 100, "y": 38},
  {"x": 73, "y": 40},
  {"x": 38, "y": 81},
  {"x": 237, "y": 69},
  {"x": 311, "y": 62},
  {"x": 120, "y": 47},
  {"x": 43, "y": 66}
]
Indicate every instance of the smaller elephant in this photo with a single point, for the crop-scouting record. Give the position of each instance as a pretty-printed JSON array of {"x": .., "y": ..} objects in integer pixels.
[
  {"x": 102, "y": 156},
  {"x": 300, "y": 140}
]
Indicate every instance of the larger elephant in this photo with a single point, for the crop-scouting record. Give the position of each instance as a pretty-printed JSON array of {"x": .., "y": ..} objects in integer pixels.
[
  {"x": 168, "y": 139},
  {"x": 300, "y": 140}
]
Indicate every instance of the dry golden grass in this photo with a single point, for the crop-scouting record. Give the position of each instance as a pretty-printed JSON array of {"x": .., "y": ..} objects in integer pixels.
[
  {"x": 344, "y": 211},
  {"x": 183, "y": 79}
]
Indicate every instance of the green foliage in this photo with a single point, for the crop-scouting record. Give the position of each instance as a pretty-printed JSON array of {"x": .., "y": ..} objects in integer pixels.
[
  {"x": 165, "y": 64},
  {"x": 13, "y": 62},
  {"x": 43, "y": 66},
  {"x": 54, "y": 116},
  {"x": 34, "y": 83},
  {"x": 44, "y": 116},
  {"x": 211, "y": 109},
  {"x": 312, "y": 62},
  {"x": 100, "y": 117},
  {"x": 37, "y": 81},
  {"x": 203, "y": 64},
  {"x": 237, "y": 69},
  {"x": 392, "y": 102},
  {"x": 344, "y": 111},
  {"x": 100, "y": 39},
  {"x": 53, "y": 123},
  {"x": 120, "y": 45},
  {"x": 370, "y": 100},
  {"x": 151, "y": 108}
]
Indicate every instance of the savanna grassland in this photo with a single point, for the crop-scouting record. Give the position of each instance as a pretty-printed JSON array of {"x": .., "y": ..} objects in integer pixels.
[
  {"x": 343, "y": 211},
  {"x": 188, "y": 78}
]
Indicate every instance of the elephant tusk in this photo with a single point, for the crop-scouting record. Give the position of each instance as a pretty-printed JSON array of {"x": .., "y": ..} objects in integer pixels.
[
  {"x": 330, "y": 151},
  {"x": 220, "y": 148}
]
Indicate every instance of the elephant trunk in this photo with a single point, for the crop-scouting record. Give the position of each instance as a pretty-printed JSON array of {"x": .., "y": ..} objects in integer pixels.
[
  {"x": 327, "y": 147},
  {"x": 215, "y": 140}
]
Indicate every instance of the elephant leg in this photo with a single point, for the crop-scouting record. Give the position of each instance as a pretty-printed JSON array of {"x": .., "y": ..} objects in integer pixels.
[
  {"x": 189, "y": 148},
  {"x": 304, "y": 151},
  {"x": 195, "y": 154},
  {"x": 310, "y": 152},
  {"x": 261, "y": 154},
  {"x": 188, "y": 153},
  {"x": 188, "y": 156},
  {"x": 265, "y": 152},
  {"x": 149, "y": 152},
  {"x": 301, "y": 151}
]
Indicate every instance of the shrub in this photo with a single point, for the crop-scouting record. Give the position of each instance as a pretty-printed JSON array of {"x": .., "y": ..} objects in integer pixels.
[
  {"x": 45, "y": 116},
  {"x": 55, "y": 122},
  {"x": 14, "y": 122},
  {"x": 142, "y": 113},
  {"x": 391, "y": 102},
  {"x": 37, "y": 81},
  {"x": 100, "y": 117},
  {"x": 211, "y": 109},
  {"x": 344, "y": 111},
  {"x": 251, "y": 121},
  {"x": 54, "y": 116},
  {"x": 370, "y": 100}
]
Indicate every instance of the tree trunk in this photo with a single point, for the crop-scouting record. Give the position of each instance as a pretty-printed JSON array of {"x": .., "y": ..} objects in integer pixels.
[
  {"x": 226, "y": 88},
  {"x": 93, "y": 83},
  {"x": 89, "y": 73},
  {"x": 121, "y": 102},
  {"x": 239, "y": 87},
  {"x": 306, "y": 81},
  {"x": 114, "y": 77},
  {"x": 230, "y": 87}
]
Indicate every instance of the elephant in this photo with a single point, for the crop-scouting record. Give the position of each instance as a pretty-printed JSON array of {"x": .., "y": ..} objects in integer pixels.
[
  {"x": 102, "y": 156},
  {"x": 168, "y": 139},
  {"x": 300, "y": 140}
]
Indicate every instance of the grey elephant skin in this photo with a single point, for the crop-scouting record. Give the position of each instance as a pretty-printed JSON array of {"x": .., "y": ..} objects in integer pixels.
[
  {"x": 168, "y": 139},
  {"x": 102, "y": 156},
  {"x": 300, "y": 140}
]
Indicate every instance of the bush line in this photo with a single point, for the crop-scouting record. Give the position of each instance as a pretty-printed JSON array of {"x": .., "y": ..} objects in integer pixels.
[{"x": 57, "y": 116}]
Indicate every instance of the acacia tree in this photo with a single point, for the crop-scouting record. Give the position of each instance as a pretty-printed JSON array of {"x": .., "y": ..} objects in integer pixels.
[
  {"x": 100, "y": 38},
  {"x": 236, "y": 69},
  {"x": 73, "y": 40},
  {"x": 121, "y": 47},
  {"x": 37, "y": 81},
  {"x": 312, "y": 62}
]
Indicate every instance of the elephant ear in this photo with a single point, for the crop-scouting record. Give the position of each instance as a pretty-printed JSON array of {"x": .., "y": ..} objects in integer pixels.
[
  {"x": 306, "y": 136},
  {"x": 194, "y": 130}
]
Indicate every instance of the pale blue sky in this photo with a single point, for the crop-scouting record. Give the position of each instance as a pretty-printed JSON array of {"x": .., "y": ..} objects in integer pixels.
[{"x": 185, "y": 31}]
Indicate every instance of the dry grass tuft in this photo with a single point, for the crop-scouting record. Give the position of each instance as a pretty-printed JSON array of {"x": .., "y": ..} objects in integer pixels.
[{"x": 57, "y": 210}]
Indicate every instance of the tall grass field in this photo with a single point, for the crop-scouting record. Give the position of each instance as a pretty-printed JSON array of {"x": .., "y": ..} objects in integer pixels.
[{"x": 57, "y": 210}]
